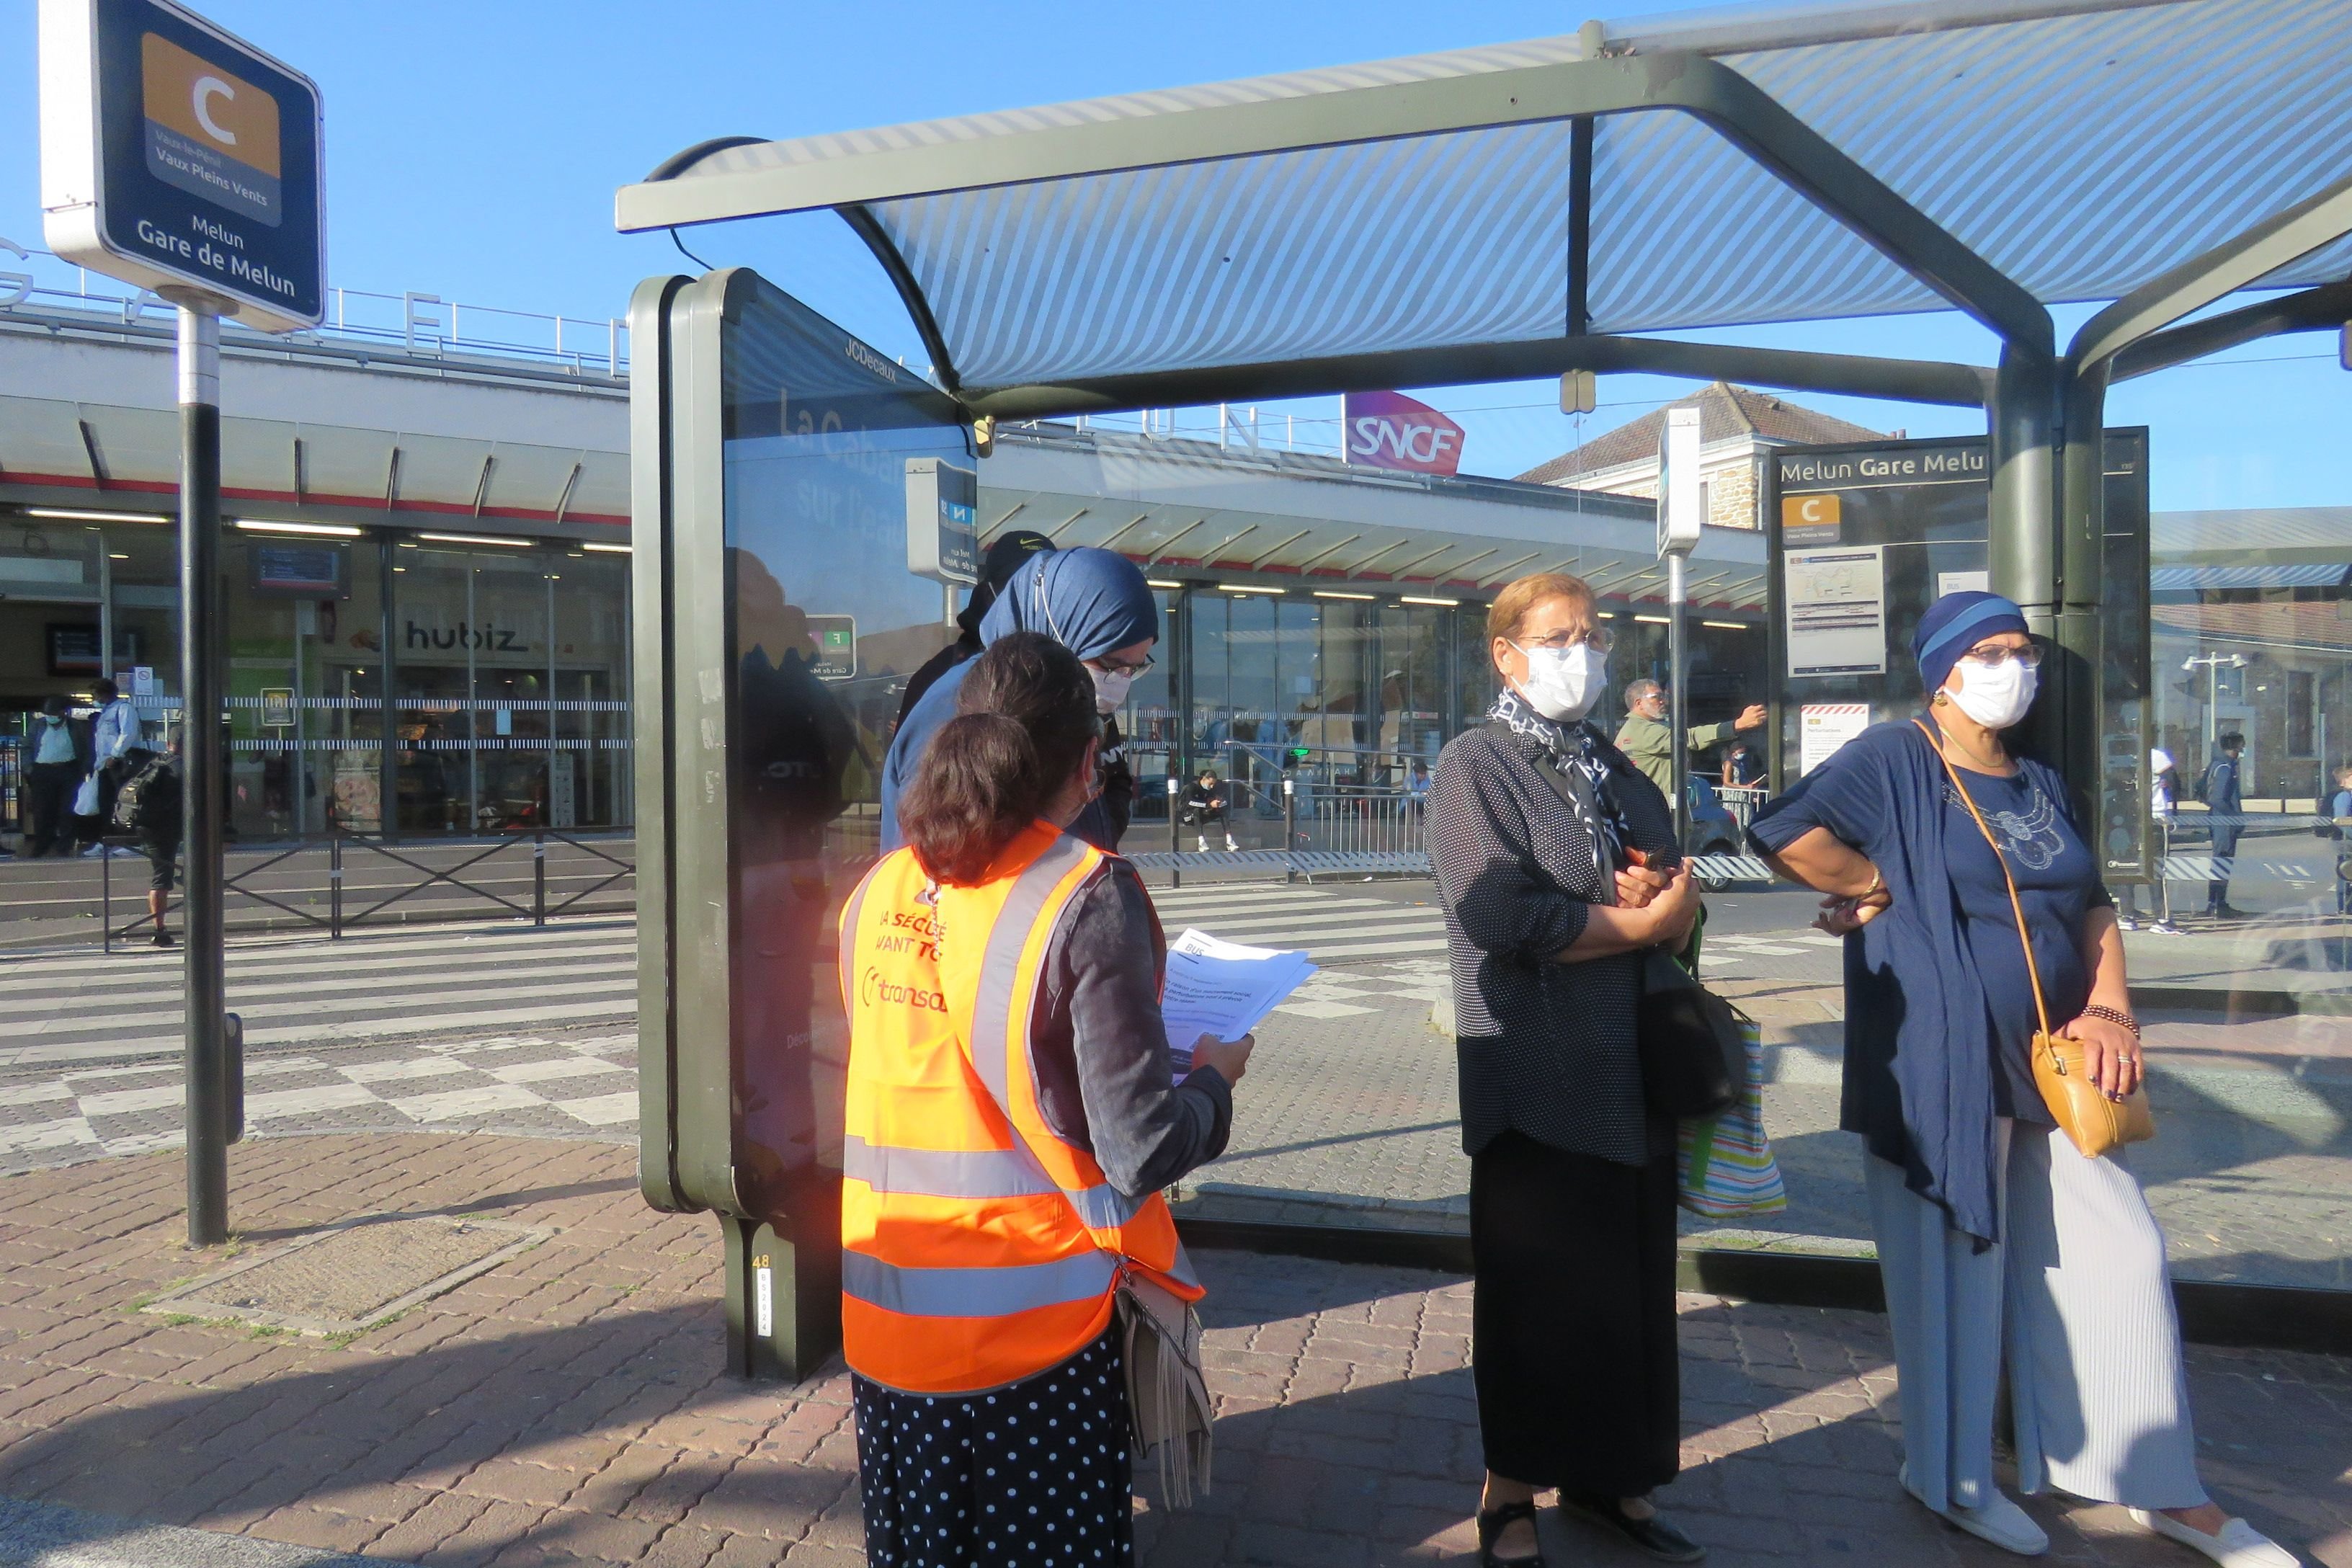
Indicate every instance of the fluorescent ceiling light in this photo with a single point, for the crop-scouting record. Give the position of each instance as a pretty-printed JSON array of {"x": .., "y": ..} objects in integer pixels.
[
  {"x": 610, "y": 549},
  {"x": 1336, "y": 594},
  {"x": 1244, "y": 588},
  {"x": 1726, "y": 626},
  {"x": 478, "y": 538},
  {"x": 70, "y": 514},
  {"x": 1410, "y": 599},
  {"x": 1160, "y": 582},
  {"x": 1653, "y": 620},
  {"x": 315, "y": 529}
]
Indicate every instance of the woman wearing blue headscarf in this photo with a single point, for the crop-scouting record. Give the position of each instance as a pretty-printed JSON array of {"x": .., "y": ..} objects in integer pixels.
[
  {"x": 1982, "y": 1210},
  {"x": 1096, "y": 604}
]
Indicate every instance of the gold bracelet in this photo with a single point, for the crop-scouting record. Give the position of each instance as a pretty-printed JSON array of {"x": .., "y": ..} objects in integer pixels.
[{"x": 1877, "y": 883}]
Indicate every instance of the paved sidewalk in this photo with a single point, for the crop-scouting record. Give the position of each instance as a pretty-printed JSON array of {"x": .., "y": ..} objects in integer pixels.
[{"x": 568, "y": 1407}]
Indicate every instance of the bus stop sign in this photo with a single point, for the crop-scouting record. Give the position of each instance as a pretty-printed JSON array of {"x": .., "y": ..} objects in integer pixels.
[{"x": 181, "y": 159}]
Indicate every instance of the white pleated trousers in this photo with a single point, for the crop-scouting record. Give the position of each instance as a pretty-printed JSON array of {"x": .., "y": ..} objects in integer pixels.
[{"x": 2099, "y": 1399}]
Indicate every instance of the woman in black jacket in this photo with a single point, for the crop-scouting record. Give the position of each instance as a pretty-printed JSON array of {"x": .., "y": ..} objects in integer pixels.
[{"x": 1537, "y": 828}]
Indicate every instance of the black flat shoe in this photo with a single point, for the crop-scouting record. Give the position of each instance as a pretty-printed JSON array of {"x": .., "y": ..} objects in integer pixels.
[
  {"x": 1492, "y": 1523},
  {"x": 1652, "y": 1535}
]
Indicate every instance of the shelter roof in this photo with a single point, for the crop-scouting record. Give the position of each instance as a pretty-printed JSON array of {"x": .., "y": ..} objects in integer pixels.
[
  {"x": 2074, "y": 149},
  {"x": 1725, "y": 411}
]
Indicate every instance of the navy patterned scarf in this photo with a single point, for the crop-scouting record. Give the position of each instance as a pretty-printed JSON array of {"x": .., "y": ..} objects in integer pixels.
[{"x": 1570, "y": 747}]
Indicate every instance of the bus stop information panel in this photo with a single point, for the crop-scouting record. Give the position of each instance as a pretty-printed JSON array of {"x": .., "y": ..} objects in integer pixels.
[{"x": 1864, "y": 538}]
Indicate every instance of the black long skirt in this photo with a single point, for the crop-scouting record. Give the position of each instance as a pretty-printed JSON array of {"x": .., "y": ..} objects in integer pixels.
[
  {"x": 1574, "y": 1355},
  {"x": 1038, "y": 1472}
]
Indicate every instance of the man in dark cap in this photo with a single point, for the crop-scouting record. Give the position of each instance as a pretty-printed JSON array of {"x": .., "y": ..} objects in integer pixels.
[{"x": 1005, "y": 553}]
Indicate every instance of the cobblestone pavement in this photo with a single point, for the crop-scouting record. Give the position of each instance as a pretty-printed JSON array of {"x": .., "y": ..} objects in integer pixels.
[{"x": 568, "y": 1406}]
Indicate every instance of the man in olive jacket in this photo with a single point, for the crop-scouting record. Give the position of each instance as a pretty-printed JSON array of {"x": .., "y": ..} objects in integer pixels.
[{"x": 1649, "y": 742}]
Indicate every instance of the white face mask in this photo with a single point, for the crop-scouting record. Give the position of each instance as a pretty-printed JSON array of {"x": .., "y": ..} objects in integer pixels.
[
  {"x": 1563, "y": 683},
  {"x": 1111, "y": 688},
  {"x": 1997, "y": 696}
]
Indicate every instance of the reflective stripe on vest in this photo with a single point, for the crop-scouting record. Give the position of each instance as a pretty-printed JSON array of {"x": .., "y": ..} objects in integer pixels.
[
  {"x": 980, "y": 1248},
  {"x": 977, "y": 1292}
]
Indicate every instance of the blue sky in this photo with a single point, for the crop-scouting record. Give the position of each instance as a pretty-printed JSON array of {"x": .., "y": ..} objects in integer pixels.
[{"x": 473, "y": 151}]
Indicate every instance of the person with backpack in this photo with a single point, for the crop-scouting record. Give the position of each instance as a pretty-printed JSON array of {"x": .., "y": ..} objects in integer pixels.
[
  {"x": 147, "y": 806},
  {"x": 2218, "y": 789},
  {"x": 118, "y": 749}
]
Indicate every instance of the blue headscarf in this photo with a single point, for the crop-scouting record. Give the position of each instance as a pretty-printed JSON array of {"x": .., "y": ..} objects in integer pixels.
[
  {"x": 1955, "y": 624},
  {"x": 1090, "y": 600}
]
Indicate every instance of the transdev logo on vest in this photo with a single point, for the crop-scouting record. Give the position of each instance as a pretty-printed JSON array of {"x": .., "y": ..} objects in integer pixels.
[
  {"x": 875, "y": 988},
  {"x": 1389, "y": 430}
]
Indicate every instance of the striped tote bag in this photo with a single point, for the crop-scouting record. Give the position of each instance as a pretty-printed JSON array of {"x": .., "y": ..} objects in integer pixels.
[{"x": 1724, "y": 1167}]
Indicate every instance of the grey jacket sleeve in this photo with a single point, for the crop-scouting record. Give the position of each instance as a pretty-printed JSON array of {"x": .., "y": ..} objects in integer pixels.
[{"x": 1099, "y": 1049}]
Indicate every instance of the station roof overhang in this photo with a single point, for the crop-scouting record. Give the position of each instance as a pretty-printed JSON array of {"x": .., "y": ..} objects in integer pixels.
[
  {"x": 107, "y": 458},
  {"x": 1513, "y": 211},
  {"x": 1189, "y": 510}
]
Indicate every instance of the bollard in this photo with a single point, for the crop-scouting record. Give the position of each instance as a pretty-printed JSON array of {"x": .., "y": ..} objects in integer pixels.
[
  {"x": 105, "y": 898},
  {"x": 335, "y": 886},
  {"x": 1289, "y": 830},
  {"x": 1175, "y": 874},
  {"x": 539, "y": 877}
]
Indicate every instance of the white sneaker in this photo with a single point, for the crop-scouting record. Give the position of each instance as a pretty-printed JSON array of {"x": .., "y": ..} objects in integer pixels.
[
  {"x": 1201, "y": 845},
  {"x": 2000, "y": 1521},
  {"x": 1231, "y": 848},
  {"x": 2240, "y": 1544}
]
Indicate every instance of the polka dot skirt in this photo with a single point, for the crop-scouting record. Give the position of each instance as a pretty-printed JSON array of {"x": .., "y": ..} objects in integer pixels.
[{"x": 1036, "y": 1473}]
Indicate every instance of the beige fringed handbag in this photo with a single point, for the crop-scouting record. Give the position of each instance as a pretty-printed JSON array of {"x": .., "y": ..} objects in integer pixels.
[
  {"x": 1166, "y": 1395},
  {"x": 2092, "y": 1122}
]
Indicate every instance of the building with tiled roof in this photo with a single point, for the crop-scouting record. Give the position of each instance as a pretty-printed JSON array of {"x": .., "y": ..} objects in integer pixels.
[{"x": 1737, "y": 427}]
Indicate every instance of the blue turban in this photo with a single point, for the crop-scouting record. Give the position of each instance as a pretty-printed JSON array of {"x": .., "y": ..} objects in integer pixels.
[
  {"x": 1955, "y": 624},
  {"x": 1090, "y": 600}
]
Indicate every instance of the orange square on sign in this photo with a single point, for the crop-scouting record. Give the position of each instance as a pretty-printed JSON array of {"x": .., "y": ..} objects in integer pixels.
[
  {"x": 207, "y": 105},
  {"x": 1808, "y": 512}
]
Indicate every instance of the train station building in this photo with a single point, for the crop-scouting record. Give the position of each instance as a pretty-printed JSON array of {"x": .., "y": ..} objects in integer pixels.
[{"x": 427, "y": 569}]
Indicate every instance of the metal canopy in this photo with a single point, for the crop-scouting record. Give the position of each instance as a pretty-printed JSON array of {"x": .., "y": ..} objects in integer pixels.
[{"x": 1719, "y": 168}]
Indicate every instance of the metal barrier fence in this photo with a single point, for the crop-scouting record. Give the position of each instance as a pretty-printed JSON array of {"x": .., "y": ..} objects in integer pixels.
[{"x": 345, "y": 896}]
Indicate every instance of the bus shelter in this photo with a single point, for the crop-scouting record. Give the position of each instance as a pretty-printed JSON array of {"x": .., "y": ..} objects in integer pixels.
[{"x": 1485, "y": 215}]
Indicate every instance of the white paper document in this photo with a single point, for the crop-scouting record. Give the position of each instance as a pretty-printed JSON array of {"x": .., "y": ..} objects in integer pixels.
[{"x": 1221, "y": 988}]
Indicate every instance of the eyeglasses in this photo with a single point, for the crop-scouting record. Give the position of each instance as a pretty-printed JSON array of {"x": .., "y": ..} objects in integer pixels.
[
  {"x": 1118, "y": 667},
  {"x": 1600, "y": 639},
  {"x": 1993, "y": 654}
]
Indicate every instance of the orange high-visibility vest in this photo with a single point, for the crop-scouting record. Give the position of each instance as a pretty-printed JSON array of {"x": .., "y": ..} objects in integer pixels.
[{"x": 978, "y": 1248}]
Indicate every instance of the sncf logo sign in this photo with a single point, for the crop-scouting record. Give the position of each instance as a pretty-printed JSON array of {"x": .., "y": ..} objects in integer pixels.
[{"x": 1389, "y": 430}]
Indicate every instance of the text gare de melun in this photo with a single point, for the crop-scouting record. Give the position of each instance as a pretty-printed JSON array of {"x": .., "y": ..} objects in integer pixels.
[
  {"x": 217, "y": 251},
  {"x": 1960, "y": 462}
]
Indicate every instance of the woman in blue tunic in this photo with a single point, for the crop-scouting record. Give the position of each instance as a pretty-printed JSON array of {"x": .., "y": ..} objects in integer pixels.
[{"x": 1985, "y": 1216}]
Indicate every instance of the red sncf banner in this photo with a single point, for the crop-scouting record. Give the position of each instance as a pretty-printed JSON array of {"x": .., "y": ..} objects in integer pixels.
[{"x": 1389, "y": 430}]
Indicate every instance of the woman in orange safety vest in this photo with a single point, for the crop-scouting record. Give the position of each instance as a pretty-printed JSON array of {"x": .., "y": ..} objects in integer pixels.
[{"x": 1012, "y": 1113}]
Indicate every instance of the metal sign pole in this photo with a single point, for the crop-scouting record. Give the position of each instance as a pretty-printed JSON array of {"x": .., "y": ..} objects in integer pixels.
[
  {"x": 1677, "y": 618},
  {"x": 201, "y": 762}
]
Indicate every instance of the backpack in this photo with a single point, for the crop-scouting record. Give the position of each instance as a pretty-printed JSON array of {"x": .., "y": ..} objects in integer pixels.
[{"x": 148, "y": 804}]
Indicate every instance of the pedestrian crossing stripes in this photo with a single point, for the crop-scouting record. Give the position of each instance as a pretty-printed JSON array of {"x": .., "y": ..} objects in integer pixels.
[{"x": 88, "y": 1007}]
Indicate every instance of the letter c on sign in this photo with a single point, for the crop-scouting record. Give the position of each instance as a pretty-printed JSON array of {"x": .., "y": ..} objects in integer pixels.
[
  {"x": 1810, "y": 510},
  {"x": 209, "y": 87}
]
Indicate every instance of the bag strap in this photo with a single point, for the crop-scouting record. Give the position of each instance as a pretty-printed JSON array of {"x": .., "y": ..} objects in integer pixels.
[{"x": 2032, "y": 970}]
